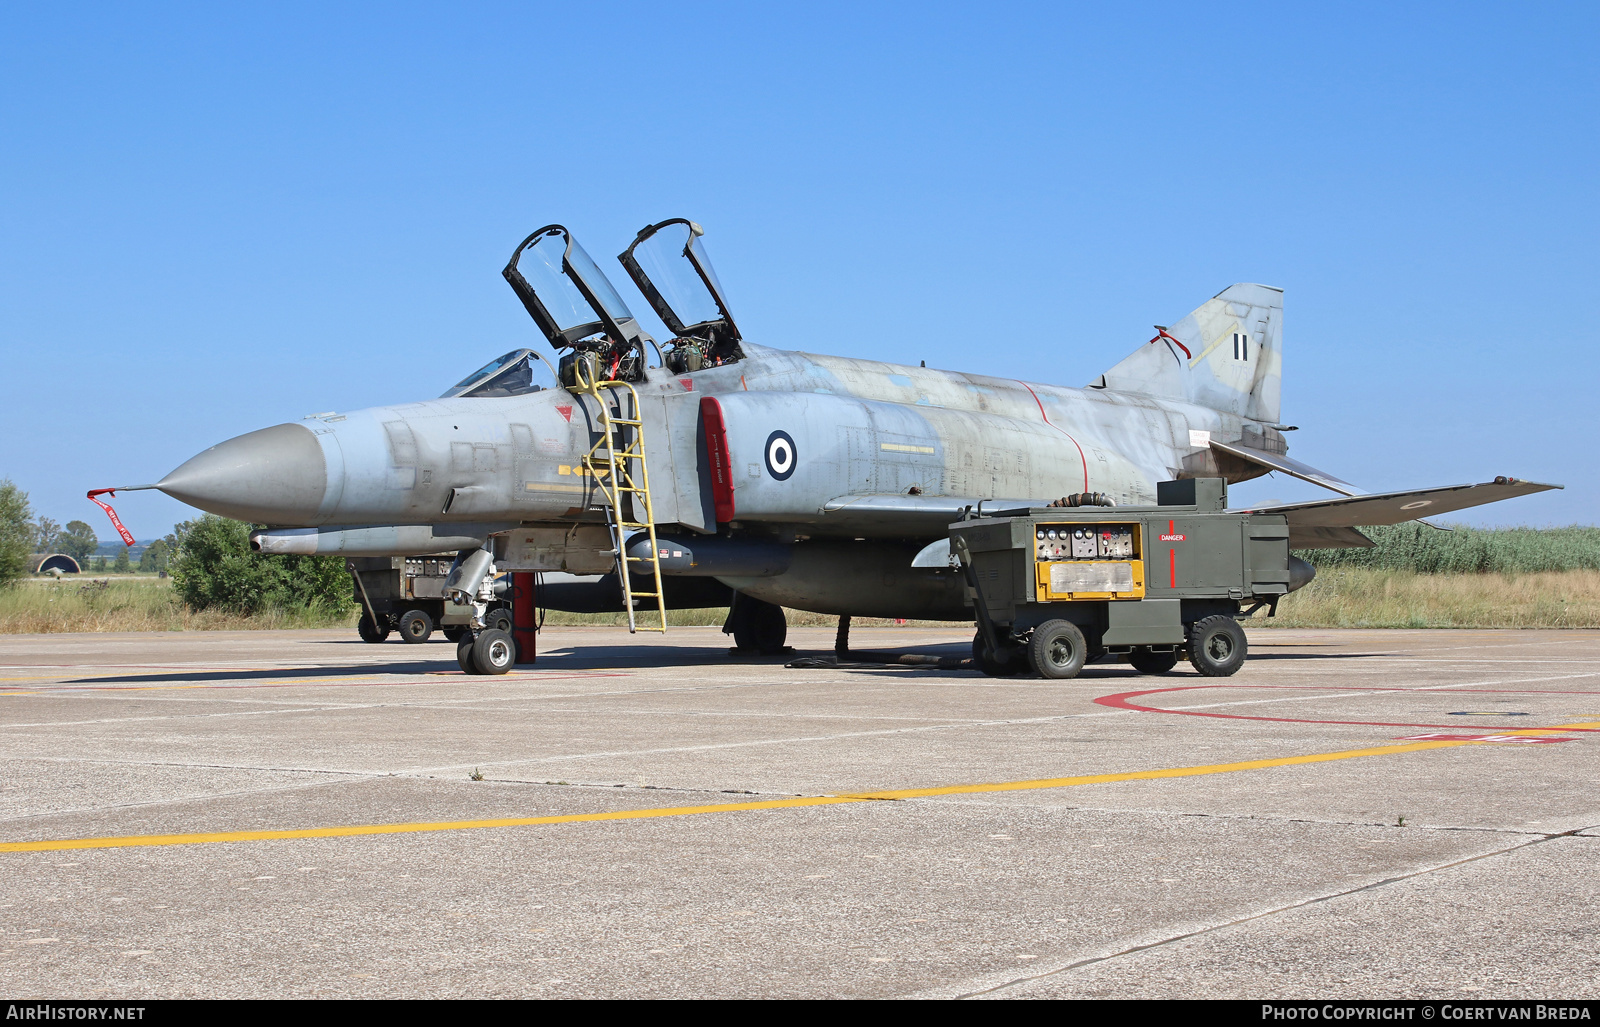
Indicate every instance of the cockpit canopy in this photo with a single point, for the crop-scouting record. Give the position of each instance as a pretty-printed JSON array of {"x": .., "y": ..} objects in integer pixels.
[
  {"x": 568, "y": 296},
  {"x": 511, "y": 374},
  {"x": 669, "y": 265},
  {"x": 583, "y": 317}
]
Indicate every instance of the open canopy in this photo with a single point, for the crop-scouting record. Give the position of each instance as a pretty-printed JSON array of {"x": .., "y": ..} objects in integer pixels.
[
  {"x": 566, "y": 293},
  {"x": 669, "y": 265}
]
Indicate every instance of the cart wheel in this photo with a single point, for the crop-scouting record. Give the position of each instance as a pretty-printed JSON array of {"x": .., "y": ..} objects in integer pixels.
[
  {"x": 494, "y": 652},
  {"x": 1146, "y": 662},
  {"x": 499, "y": 620},
  {"x": 1013, "y": 663},
  {"x": 455, "y": 632},
  {"x": 1057, "y": 649},
  {"x": 415, "y": 626},
  {"x": 371, "y": 632},
  {"x": 464, "y": 655},
  {"x": 1217, "y": 646}
]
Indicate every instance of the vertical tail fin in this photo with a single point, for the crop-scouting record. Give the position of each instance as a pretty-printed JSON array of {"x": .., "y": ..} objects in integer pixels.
[{"x": 1227, "y": 355}]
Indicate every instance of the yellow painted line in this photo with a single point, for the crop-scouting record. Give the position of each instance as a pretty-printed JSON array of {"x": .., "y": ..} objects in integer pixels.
[
  {"x": 1589, "y": 725},
  {"x": 131, "y": 841},
  {"x": 1156, "y": 775}
]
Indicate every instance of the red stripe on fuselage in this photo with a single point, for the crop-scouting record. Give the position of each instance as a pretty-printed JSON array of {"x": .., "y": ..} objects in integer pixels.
[{"x": 1060, "y": 429}]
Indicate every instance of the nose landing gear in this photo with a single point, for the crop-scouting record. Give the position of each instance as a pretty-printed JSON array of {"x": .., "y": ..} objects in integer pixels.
[{"x": 492, "y": 652}]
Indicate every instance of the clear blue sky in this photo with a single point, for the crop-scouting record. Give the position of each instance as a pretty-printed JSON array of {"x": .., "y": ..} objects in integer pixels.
[{"x": 220, "y": 217}]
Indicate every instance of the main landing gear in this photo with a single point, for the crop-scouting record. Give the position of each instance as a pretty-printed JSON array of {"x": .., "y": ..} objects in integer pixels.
[{"x": 756, "y": 626}]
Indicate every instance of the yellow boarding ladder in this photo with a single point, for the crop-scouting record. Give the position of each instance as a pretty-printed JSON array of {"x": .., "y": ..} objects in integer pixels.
[{"x": 621, "y": 473}]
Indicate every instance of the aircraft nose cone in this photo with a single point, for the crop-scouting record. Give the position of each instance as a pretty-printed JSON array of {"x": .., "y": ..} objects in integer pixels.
[{"x": 274, "y": 476}]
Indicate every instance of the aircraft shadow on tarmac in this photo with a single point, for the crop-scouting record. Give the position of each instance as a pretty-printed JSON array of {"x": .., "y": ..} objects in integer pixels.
[
  {"x": 601, "y": 658},
  {"x": 280, "y": 673}
]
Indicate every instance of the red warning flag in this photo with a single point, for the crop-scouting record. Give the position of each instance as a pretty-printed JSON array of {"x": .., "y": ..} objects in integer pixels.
[{"x": 116, "y": 521}]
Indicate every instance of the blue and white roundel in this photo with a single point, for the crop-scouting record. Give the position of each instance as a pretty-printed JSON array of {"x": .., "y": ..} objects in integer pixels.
[{"x": 780, "y": 454}]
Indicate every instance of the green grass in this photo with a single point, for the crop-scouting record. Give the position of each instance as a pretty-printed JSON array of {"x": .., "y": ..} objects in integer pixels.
[
  {"x": 1416, "y": 577},
  {"x": 130, "y": 603},
  {"x": 1427, "y": 550},
  {"x": 1362, "y": 597}
]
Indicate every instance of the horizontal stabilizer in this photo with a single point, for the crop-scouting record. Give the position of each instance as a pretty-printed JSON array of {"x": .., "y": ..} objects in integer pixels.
[
  {"x": 1293, "y": 468},
  {"x": 1329, "y": 520}
]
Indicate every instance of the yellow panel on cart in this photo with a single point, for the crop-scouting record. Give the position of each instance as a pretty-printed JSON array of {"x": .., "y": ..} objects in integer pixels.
[{"x": 1057, "y": 580}]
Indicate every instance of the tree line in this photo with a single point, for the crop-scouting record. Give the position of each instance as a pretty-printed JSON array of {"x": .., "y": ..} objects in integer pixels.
[{"x": 209, "y": 559}]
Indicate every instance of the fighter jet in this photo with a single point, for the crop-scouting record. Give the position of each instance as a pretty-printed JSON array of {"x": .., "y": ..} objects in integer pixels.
[{"x": 707, "y": 468}]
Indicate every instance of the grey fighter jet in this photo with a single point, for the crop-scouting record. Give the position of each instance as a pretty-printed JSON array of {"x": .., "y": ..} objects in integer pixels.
[{"x": 780, "y": 478}]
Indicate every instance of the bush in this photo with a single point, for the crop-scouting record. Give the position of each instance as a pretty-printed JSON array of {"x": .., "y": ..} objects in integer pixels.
[
  {"x": 16, "y": 532},
  {"x": 1427, "y": 550},
  {"x": 215, "y": 569}
]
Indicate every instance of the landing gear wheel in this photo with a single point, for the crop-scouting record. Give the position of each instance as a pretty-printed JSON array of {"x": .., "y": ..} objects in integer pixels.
[
  {"x": 759, "y": 625},
  {"x": 464, "y": 654},
  {"x": 498, "y": 620},
  {"x": 1146, "y": 662},
  {"x": 494, "y": 652},
  {"x": 369, "y": 631},
  {"x": 1011, "y": 662},
  {"x": 455, "y": 632},
  {"x": 1057, "y": 649},
  {"x": 1217, "y": 646},
  {"x": 415, "y": 626}
]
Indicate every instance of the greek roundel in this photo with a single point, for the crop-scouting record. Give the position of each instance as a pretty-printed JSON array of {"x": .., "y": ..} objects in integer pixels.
[{"x": 781, "y": 458}]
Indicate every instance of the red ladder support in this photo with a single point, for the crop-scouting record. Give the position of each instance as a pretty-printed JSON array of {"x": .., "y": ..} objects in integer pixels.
[{"x": 525, "y": 616}]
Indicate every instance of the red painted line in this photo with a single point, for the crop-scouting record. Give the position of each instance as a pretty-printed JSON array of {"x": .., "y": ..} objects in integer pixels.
[
  {"x": 1122, "y": 701},
  {"x": 1060, "y": 429},
  {"x": 1172, "y": 566}
]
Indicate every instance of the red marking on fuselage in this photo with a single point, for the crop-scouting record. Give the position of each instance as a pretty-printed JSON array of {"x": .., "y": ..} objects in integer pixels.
[
  {"x": 565, "y": 412},
  {"x": 1060, "y": 429},
  {"x": 717, "y": 456},
  {"x": 1161, "y": 333},
  {"x": 688, "y": 384}
]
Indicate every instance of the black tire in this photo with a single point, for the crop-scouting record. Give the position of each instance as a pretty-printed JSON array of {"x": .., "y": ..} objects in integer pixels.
[
  {"x": 371, "y": 632},
  {"x": 1057, "y": 649},
  {"x": 494, "y": 652},
  {"x": 455, "y": 632},
  {"x": 1010, "y": 663},
  {"x": 415, "y": 626},
  {"x": 1217, "y": 646},
  {"x": 760, "y": 625},
  {"x": 464, "y": 654},
  {"x": 498, "y": 620},
  {"x": 1146, "y": 662}
]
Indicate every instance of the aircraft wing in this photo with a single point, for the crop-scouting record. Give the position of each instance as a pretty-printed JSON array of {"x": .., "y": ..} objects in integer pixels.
[{"x": 1331, "y": 523}]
